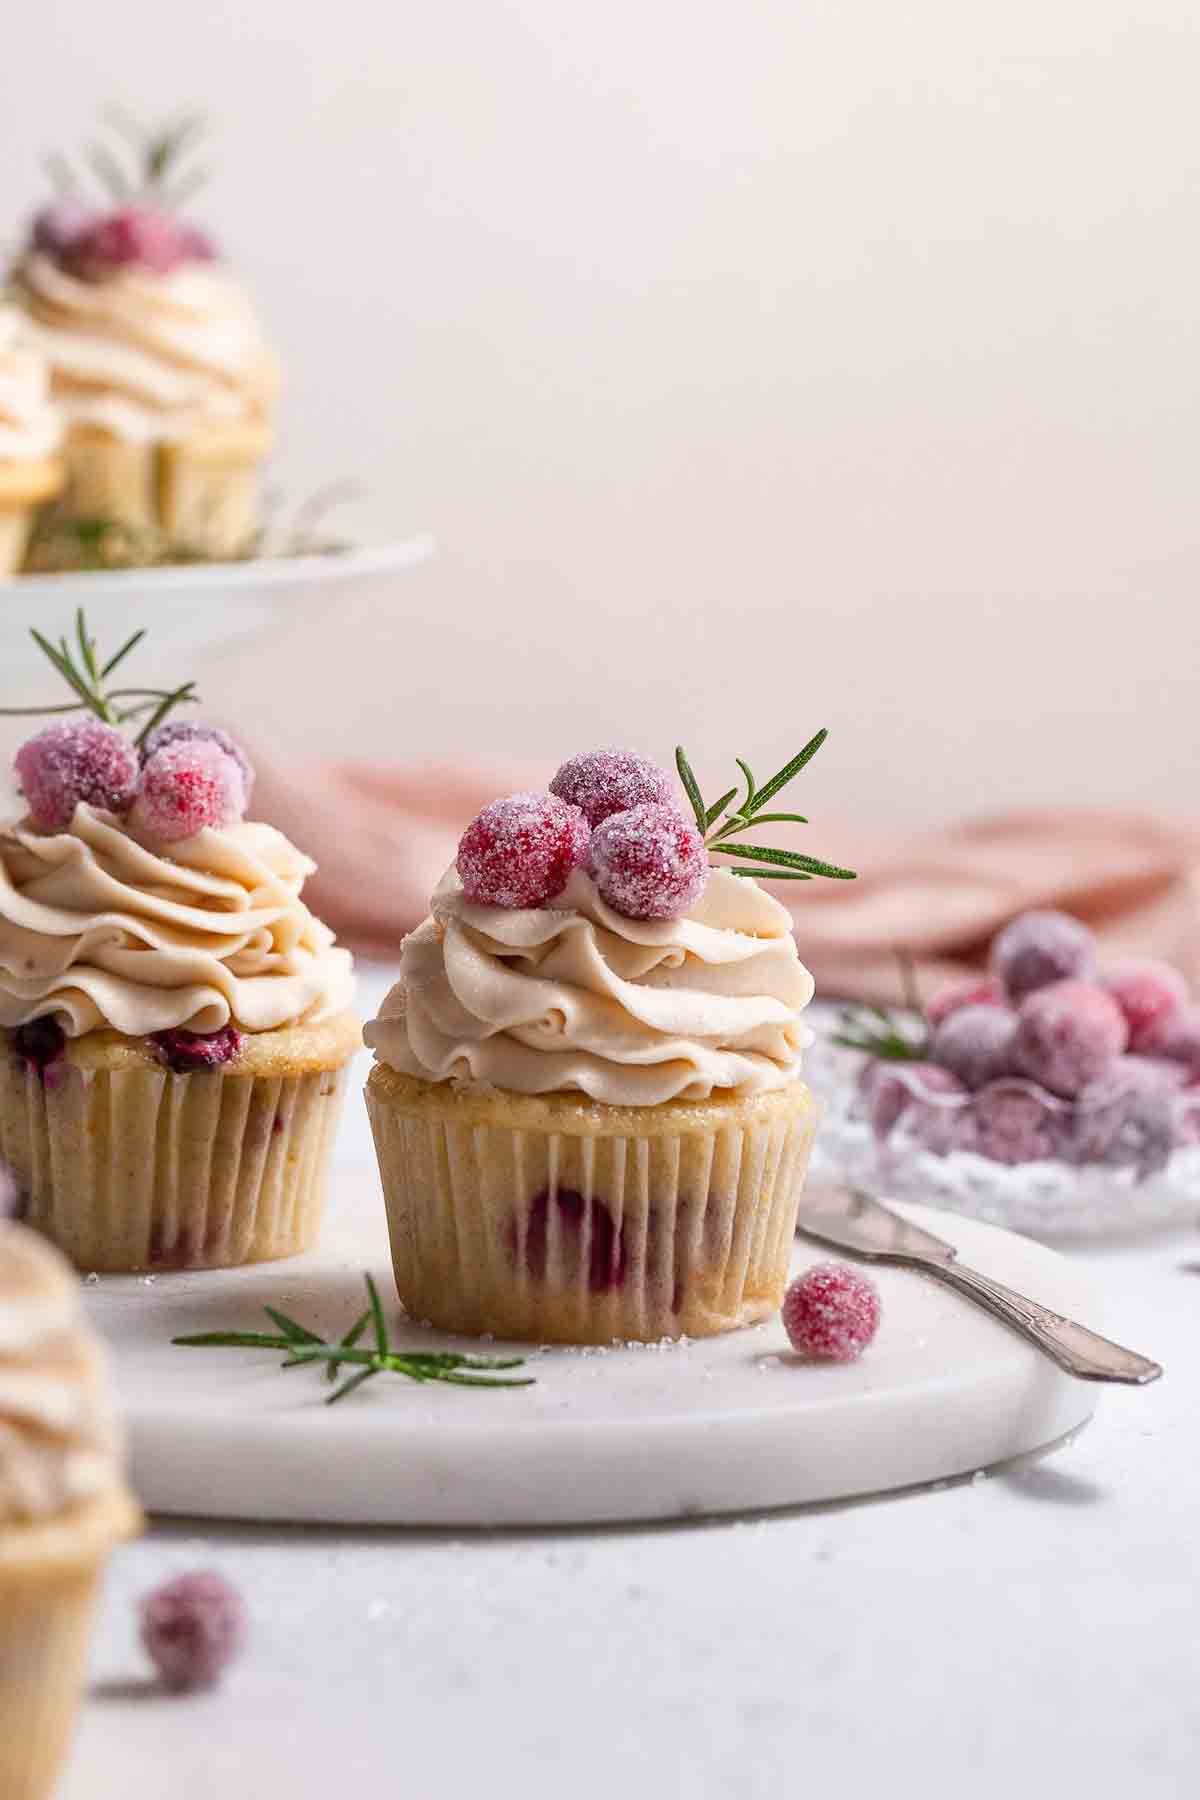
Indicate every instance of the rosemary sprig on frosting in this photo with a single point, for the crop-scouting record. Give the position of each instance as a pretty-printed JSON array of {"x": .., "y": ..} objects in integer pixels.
[
  {"x": 87, "y": 676},
  {"x": 304, "y": 1347},
  {"x": 719, "y": 823},
  {"x": 144, "y": 167}
]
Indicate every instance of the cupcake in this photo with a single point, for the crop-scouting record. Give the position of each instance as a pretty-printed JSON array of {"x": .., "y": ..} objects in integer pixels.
[
  {"x": 586, "y": 1098},
  {"x": 157, "y": 362},
  {"x": 174, "y": 1022},
  {"x": 64, "y": 1507},
  {"x": 31, "y": 471}
]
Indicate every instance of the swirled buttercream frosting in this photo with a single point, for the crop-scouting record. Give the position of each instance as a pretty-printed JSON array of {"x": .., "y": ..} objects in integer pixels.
[
  {"x": 59, "y": 1443},
  {"x": 98, "y": 928},
  {"x": 30, "y": 426},
  {"x": 144, "y": 356},
  {"x": 576, "y": 997}
]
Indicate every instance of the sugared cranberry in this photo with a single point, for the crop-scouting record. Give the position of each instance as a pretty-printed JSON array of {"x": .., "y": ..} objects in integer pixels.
[
  {"x": 185, "y": 1051},
  {"x": 1147, "y": 992},
  {"x": 132, "y": 237},
  {"x": 649, "y": 862},
  {"x": 193, "y": 731},
  {"x": 188, "y": 787},
  {"x": 192, "y": 1628},
  {"x": 976, "y": 1044},
  {"x": 1068, "y": 1034},
  {"x": 39, "y": 1043},
  {"x": 66, "y": 765},
  {"x": 196, "y": 244},
  {"x": 57, "y": 228},
  {"x": 521, "y": 851},
  {"x": 1041, "y": 947},
  {"x": 831, "y": 1313},
  {"x": 1127, "y": 1118},
  {"x": 980, "y": 990},
  {"x": 606, "y": 1252},
  {"x": 602, "y": 782},
  {"x": 1178, "y": 1040},
  {"x": 1009, "y": 1123}
]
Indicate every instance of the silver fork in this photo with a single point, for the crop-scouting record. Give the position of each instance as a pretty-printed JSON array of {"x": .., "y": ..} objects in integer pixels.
[{"x": 850, "y": 1220}]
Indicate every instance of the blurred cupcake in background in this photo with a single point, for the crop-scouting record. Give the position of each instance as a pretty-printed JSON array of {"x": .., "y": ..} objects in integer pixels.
[
  {"x": 31, "y": 470},
  {"x": 157, "y": 358},
  {"x": 64, "y": 1506}
]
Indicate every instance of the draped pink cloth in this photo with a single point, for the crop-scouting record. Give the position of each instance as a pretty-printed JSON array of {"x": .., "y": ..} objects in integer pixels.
[{"x": 382, "y": 836}]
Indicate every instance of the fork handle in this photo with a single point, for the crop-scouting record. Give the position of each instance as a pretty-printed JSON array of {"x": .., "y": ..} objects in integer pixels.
[{"x": 1073, "y": 1347}]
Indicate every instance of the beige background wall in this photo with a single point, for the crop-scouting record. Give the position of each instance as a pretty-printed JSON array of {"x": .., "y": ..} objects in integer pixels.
[{"x": 758, "y": 366}]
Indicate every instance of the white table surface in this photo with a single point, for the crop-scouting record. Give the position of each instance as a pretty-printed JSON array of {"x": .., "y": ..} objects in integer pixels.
[{"x": 1035, "y": 1633}]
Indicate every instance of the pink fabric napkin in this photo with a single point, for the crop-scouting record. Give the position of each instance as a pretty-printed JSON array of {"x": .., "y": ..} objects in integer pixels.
[{"x": 384, "y": 835}]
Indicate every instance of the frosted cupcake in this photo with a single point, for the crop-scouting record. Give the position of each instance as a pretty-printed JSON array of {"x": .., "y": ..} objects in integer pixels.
[
  {"x": 64, "y": 1506},
  {"x": 31, "y": 470},
  {"x": 157, "y": 361},
  {"x": 174, "y": 1022},
  {"x": 587, "y": 1101}
]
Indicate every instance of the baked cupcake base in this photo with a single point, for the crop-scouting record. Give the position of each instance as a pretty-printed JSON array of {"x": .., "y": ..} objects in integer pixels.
[
  {"x": 24, "y": 486},
  {"x": 201, "y": 493},
  {"x": 49, "y": 1574},
  {"x": 560, "y": 1220},
  {"x": 127, "y": 1166}
]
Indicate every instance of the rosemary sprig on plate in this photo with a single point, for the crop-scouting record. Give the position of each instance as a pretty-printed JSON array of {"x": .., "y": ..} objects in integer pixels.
[
  {"x": 87, "y": 676},
  {"x": 303, "y": 1347},
  {"x": 722, "y": 822}
]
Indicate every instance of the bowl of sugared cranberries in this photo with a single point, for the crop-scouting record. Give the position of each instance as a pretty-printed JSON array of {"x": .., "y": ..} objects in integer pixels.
[{"x": 1056, "y": 1094}]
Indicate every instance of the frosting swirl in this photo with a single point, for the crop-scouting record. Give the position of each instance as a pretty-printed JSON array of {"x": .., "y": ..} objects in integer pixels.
[
  {"x": 30, "y": 426},
  {"x": 100, "y": 928},
  {"x": 59, "y": 1443},
  {"x": 144, "y": 356},
  {"x": 630, "y": 1012}
]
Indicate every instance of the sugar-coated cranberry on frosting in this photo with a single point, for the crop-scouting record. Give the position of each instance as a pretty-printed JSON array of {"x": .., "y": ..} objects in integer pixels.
[
  {"x": 520, "y": 851},
  {"x": 649, "y": 862},
  {"x": 81, "y": 762},
  {"x": 602, "y": 782},
  {"x": 190, "y": 731},
  {"x": 188, "y": 787}
]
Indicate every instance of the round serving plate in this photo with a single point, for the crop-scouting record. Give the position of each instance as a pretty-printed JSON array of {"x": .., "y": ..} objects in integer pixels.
[
  {"x": 192, "y": 605},
  {"x": 624, "y": 1433}
]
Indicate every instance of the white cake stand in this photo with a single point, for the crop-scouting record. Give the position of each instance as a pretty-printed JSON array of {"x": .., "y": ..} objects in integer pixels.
[{"x": 726, "y": 1425}]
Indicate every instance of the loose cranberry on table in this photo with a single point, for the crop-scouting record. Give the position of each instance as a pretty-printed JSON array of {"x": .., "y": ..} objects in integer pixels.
[
  {"x": 1149, "y": 993},
  {"x": 976, "y": 1044},
  {"x": 521, "y": 851},
  {"x": 602, "y": 782},
  {"x": 1041, "y": 947},
  {"x": 1068, "y": 1034},
  {"x": 187, "y": 787},
  {"x": 981, "y": 990},
  {"x": 831, "y": 1313},
  {"x": 192, "y": 731},
  {"x": 192, "y": 1628},
  {"x": 67, "y": 765},
  {"x": 649, "y": 862}
]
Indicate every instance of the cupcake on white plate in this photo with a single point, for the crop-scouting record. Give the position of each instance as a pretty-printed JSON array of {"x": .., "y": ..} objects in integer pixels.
[
  {"x": 157, "y": 360},
  {"x": 31, "y": 431}
]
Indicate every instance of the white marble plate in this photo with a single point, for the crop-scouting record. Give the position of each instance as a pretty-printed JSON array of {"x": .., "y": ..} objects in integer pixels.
[{"x": 725, "y": 1425}]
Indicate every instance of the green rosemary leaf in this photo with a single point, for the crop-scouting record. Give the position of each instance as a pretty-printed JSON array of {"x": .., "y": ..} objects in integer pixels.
[
  {"x": 348, "y": 1386},
  {"x": 62, "y": 175},
  {"x": 348, "y": 1342},
  {"x": 691, "y": 788},
  {"x": 110, "y": 174},
  {"x": 130, "y": 643},
  {"x": 459, "y": 1379},
  {"x": 377, "y": 1318},
  {"x": 249, "y": 1340},
  {"x": 291, "y": 1328},
  {"x": 748, "y": 772},
  {"x": 181, "y": 695},
  {"x": 777, "y": 819},
  {"x": 717, "y": 808},
  {"x": 788, "y": 859},
  {"x": 788, "y": 772},
  {"x": 37, "y": 712},
  {"x": 775, "y": 875}
]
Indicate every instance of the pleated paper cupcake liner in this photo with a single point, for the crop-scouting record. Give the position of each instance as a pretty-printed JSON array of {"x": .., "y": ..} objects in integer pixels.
[
  {"x": 590, "y": 1235},
  {"x": 49, "y": 1575},
  {"x": 141, "y": 1169}
]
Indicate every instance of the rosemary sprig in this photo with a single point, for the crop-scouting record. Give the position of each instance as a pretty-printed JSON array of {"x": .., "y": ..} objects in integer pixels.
[
  {"x": 885, "y": 1035},
  {"x": 718, "y": 823},
  {"x": 303, "y": 1347},
  {"x": 87, "y": 677},
  {"x": 137, "y": 163}
]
